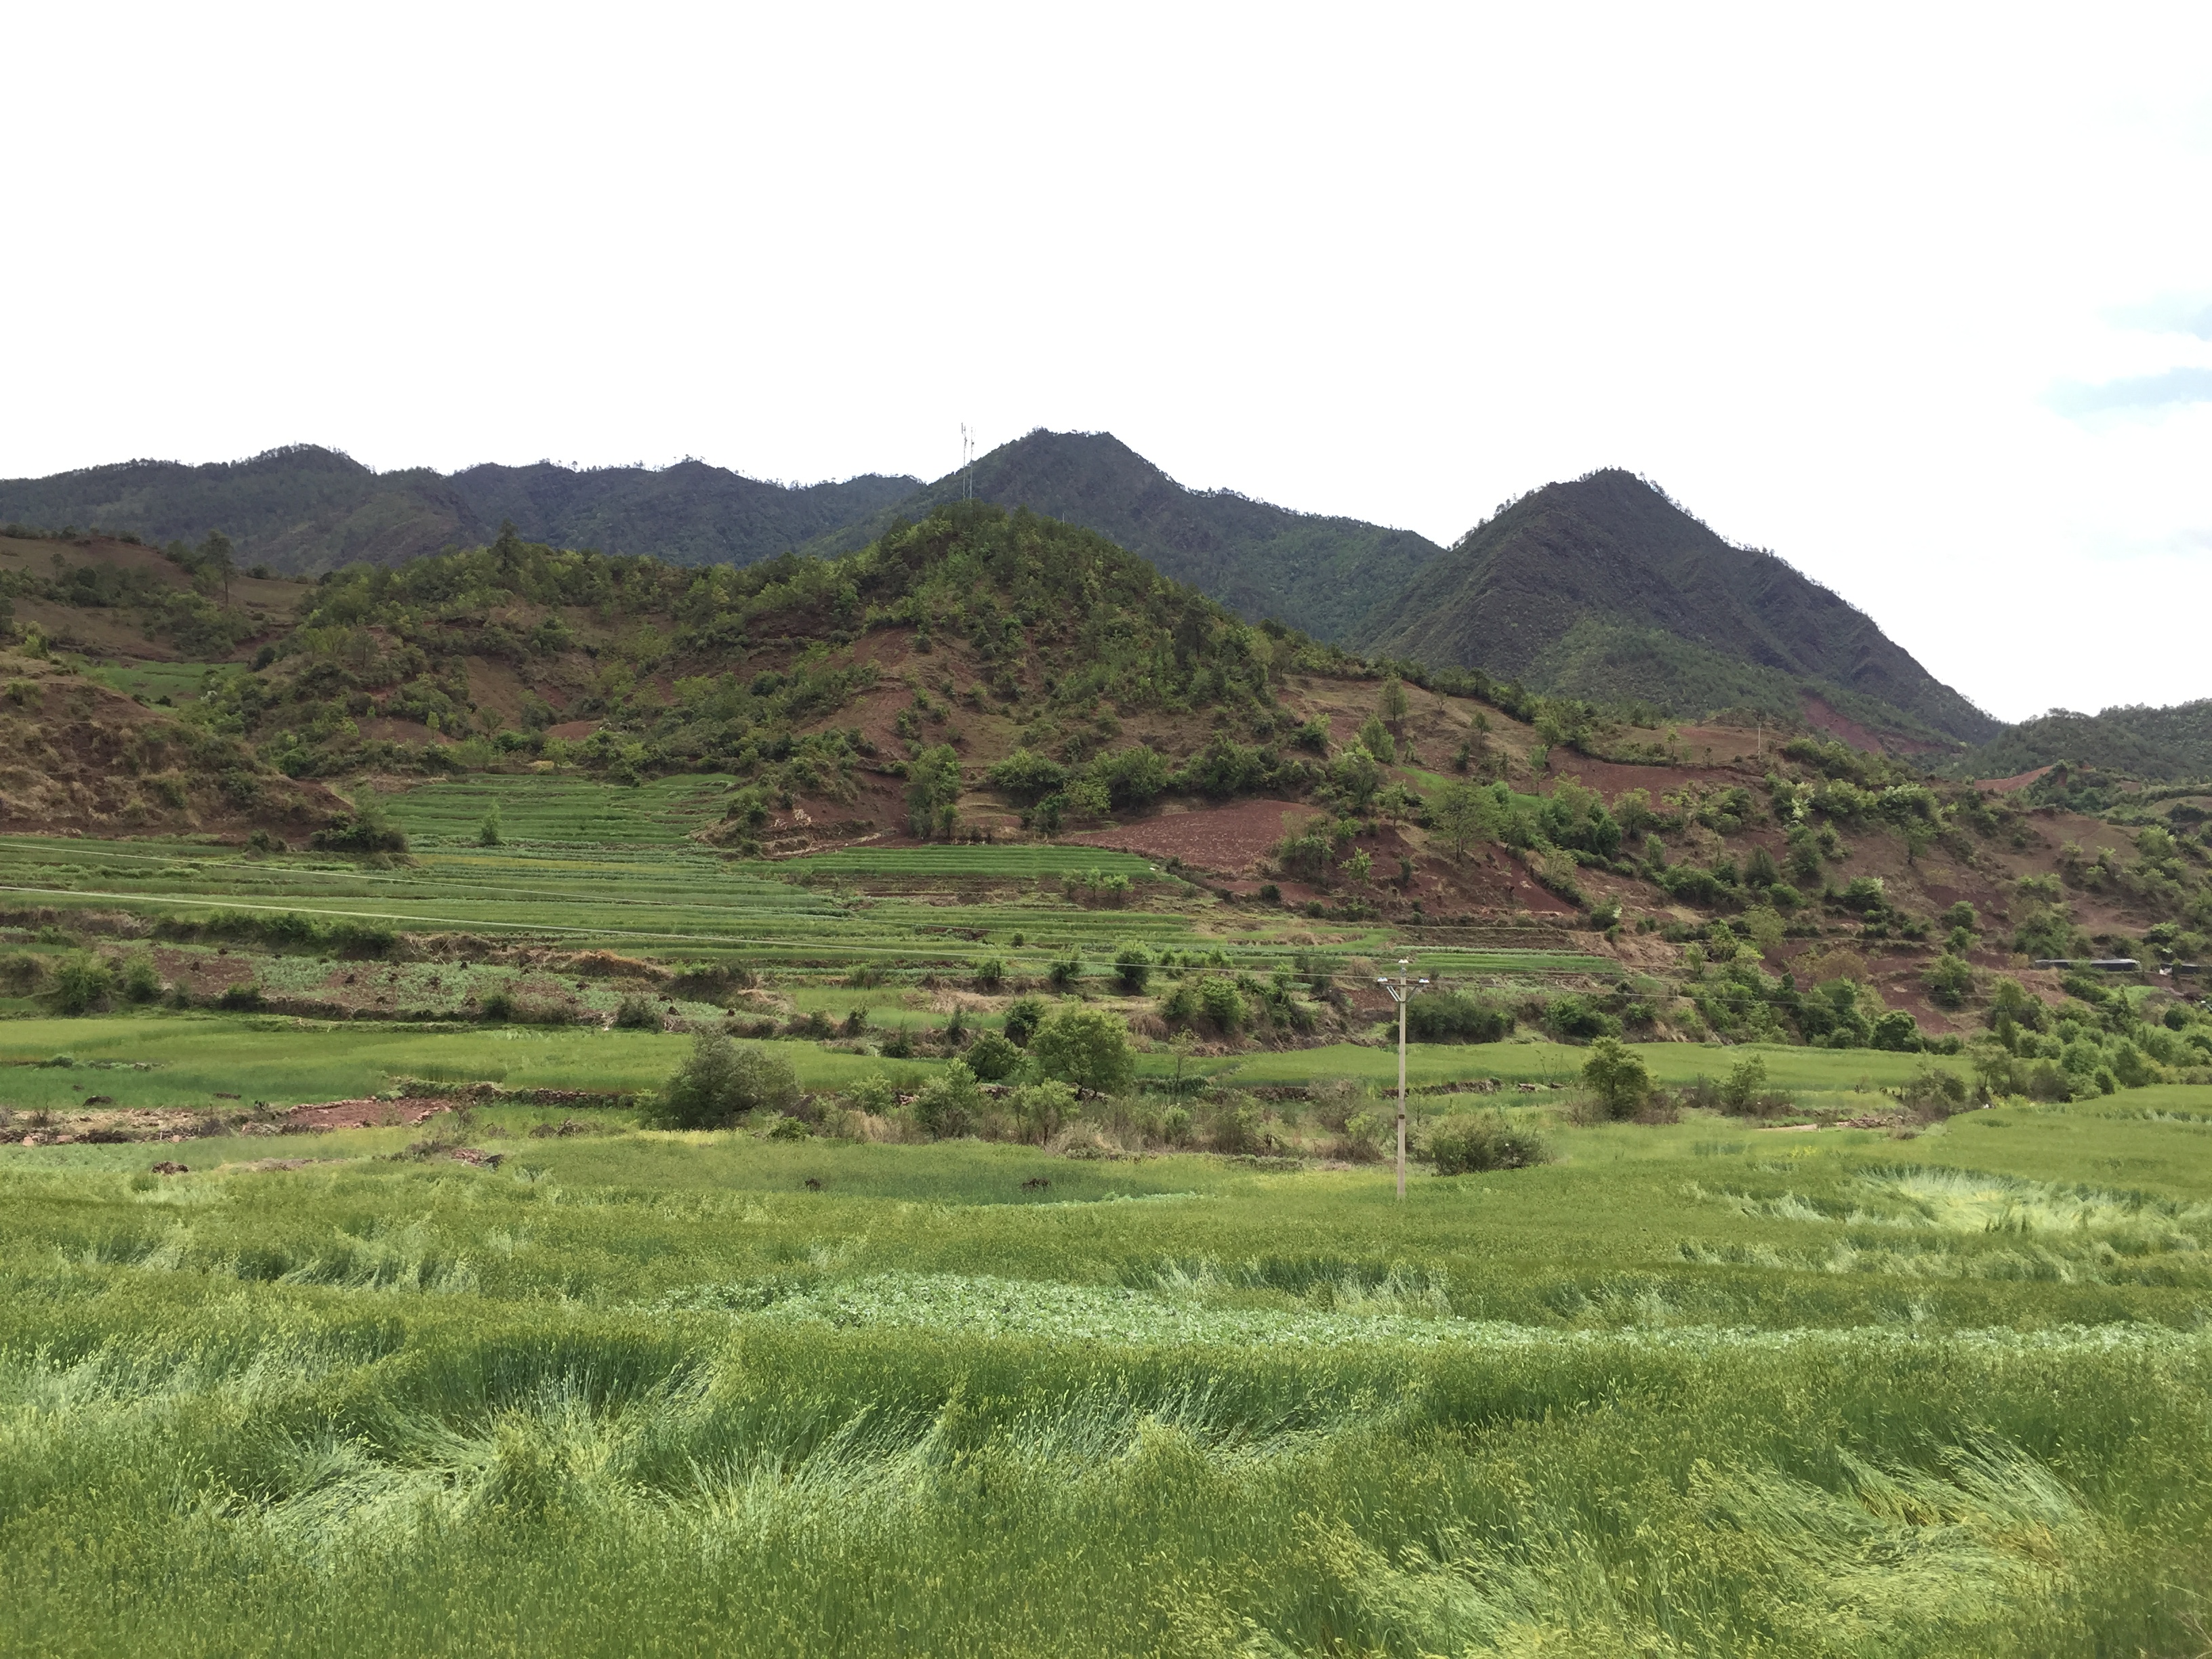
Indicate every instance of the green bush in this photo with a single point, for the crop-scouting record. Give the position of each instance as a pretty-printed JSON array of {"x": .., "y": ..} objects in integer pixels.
[
  {"x": 142, "y": 982},
  {"x": 79, "y": 985},
  {"x": 1040, "y": 1110},
  {"x": 990, "y": 972},
  {"x": 1573, "y": 1018},
  {"x": 1617, "y": 1076},
  {"x": 1023, "y": 1016},
  {"x": 1133, "y": 969},
  {"x": 1935, "y": 1093},
  {"x": 993, "y": 1058},
  {"x": 1087, "y": 1049},
  {"x": 950, "y": 1103},
  {"x": 720, "y": 1083},
  {"x": 1454, "y": 1016},
  {"x": 497, "y": 1007},
  {"x": 1467, "y": 1146},
  {"x": 1746, "y": 1080},
  {"x": 637, "y": 1013},
  {"x": 1949, "y": 980},
  {"x": 368, "y": 829}
]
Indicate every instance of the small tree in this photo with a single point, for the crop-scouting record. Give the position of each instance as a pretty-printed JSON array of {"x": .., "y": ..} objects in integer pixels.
[
  {"x": 1458, "y": 816},
  {"x": 1616, "y": 1077},
  {"x": 1087, "y": 1047},
  {"x": 488, "y": 832},
  {"x": 721, "y": 1082},
  {"x": 932, "y": 792},
  {"x": 1747, "y": 1081},
  {"x": 1133, "y": 969},
  {"x": 1023, "y": 1016},
  {"x": 949, "y": 1103},
  {"x": 79, "y": 984},
  {"x": 993, "y": 1058},
  {"x": 1390, "y": 704},
  {"x": 1374, "y": 737},
  {"x": 1949, "y": 980}
]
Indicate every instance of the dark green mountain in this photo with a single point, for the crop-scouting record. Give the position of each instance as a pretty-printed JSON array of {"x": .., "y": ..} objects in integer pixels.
[
  {"x": 2161, "y": 745},
  {"x": 307, "y": 509},
  {"x": 1604, "y": 588},
  {"x": 1320, "y": 574}
]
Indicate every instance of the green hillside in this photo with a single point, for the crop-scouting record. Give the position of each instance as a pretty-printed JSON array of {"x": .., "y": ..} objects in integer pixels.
[
  {"x": 2161, "y": 745},
  {"x": 1315, "y": 573},
  {"x": 1604, "y": 588},
  {"x": 306, "y": 508}
]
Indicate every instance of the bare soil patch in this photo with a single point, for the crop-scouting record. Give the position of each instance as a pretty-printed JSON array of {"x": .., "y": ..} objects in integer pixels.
[{"x": 1219, "y": 838}]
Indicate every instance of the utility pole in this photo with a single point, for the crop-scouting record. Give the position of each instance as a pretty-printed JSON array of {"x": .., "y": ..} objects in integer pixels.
[{"x": 1400, "y": 992}]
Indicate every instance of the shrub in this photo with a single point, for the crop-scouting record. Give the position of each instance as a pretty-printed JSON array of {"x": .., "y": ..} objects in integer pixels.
[
  {"x": 720, "y": 1083},
  {"x": 637, "y": 1013},
  {"x": 1064, "y": 971},
  {"x": 1465, "y": 1145},
  {"x": 873, "y": 1094},
  {"x": 1935, "y": 1093},
  {"x": 1453, "y": 1017},
  {"x": 497, "y": 1006},
  {"x": 79, "y": 984},
  {"x": 1575, "y": 1019},
  {"x": 1023, "y": 1016},
  {"x": 1133, "y": 969},
  {"x": 1040, "y": 1110},
  {"x": 1747, "y": 1081},
  {"x": 1896, "y": 1032},
  {"x": 240, "y": 999},
  {"x": 1616, "y": 1077},
  {"x": 1949, "y": 980},
  {"x": 1221, "y": 1002},
  {"x": 1087, "y": 1047},
  {"x": 990, "y": 972},
  {"x": 949, "y": 1103},
  {"x": 141, "y": 982},
  {"x": 993, "y": 1058},
  {"x": 369, "y": 829}
]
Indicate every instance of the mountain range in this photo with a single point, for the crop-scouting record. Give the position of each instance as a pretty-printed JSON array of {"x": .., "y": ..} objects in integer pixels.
[
  {"x": 1600, "y": 587},
  {"x": 306, "y": 509}
]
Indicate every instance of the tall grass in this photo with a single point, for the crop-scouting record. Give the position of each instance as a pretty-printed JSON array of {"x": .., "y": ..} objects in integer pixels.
[{"x": 648, "y": 1393}]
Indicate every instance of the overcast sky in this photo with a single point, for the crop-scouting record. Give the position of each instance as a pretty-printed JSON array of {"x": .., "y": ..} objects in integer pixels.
[{"x": 1919, "y": 297}]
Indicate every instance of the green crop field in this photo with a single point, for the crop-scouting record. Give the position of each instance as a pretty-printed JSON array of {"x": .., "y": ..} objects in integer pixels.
[
  {"x": 627, "y": 1392},
  {"x": 629, "y": 879},
  {"x": 1839, "y": 1380}
]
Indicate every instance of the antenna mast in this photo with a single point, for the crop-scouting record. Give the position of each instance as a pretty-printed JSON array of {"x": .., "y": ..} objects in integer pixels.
[{"x": 967, "y": 462}]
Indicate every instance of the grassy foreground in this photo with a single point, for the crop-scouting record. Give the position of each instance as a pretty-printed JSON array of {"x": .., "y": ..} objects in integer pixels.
[{"x": 1696, "y": 1389}]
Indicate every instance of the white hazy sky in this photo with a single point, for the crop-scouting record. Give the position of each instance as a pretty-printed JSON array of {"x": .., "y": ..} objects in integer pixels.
[{"x": 1918, "y": 296}]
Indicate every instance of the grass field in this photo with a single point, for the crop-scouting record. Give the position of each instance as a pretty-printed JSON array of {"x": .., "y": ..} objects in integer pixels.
[
  {"x": 1714, "y": 1386},
  {"x": 640, "y": 1393}
]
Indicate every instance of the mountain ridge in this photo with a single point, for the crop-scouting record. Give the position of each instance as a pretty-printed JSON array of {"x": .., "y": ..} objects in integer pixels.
[
  {"x": 1319, "y": 573},
  {"x": 1604, "y": 587},
  {"x": 303, "y": 508}
]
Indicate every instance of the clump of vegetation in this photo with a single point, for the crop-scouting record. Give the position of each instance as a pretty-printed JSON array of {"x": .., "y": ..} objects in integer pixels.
[
  {"x": 1616, "y": 1077},
  {"x": 1455, "y": 1017},
  {"x": 1487, "y": 1140},
  {"x": 722, "y": 1082}
]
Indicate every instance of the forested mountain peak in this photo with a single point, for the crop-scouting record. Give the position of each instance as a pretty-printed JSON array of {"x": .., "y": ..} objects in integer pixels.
[
  {"x": 1313, "y": 571},
  {"x": 1605, "y": 587}
]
